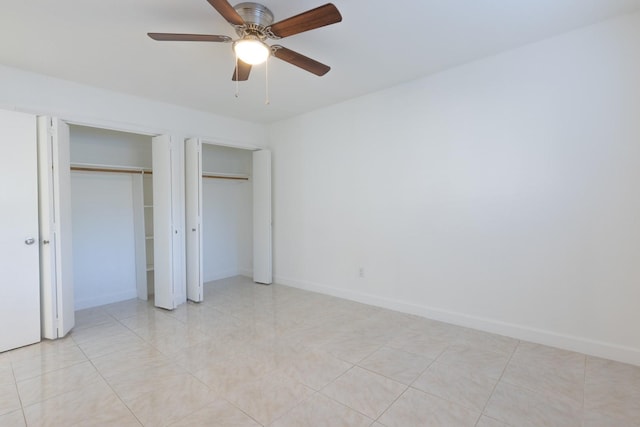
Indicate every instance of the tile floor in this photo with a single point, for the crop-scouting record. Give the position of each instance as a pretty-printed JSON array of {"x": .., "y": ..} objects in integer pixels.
[{"x": 254, "y": 355}]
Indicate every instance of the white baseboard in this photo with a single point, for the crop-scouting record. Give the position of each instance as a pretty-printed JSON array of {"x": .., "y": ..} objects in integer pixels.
[
  {"x": 80, "y": 304},
  {"x": 221, "y": 275},
  {"x": 521, "y": 332}
]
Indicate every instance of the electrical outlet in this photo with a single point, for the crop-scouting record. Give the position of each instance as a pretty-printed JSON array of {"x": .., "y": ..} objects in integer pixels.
[{"x": 361, "y": 272}]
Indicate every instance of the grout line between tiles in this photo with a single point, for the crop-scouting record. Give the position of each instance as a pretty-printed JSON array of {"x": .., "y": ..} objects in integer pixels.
[
  {"x": 498, "y": 382},
  {"x": 110, "y": 387}
]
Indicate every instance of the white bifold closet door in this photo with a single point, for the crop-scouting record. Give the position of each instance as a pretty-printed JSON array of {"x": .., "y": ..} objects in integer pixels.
[
  {"x": 193, "y": 199},
  {"x": 168, "y": 243},
  {"x": 19, "y": 258},
  {"x": 262, "y": 258},
  {"x": 56, "y": 252}
]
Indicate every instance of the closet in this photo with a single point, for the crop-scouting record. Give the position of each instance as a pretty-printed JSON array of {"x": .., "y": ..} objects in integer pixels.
[
  {"x": 116, "y": 217},
  {"x": 221, "y": 186}
]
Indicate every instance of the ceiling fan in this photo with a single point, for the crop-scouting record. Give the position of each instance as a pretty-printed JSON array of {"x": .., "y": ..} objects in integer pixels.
[{"x": 253, "y": 23}]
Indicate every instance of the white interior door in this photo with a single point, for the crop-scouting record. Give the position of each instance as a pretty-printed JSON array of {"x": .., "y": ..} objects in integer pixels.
[
  {"x": 56, "y": 264},
  {"x": 19, "y": 257},
  {"x": 193, "y": 196},
  {"x": 163, "y": 229},
  {"x": 262, "y": 258}
]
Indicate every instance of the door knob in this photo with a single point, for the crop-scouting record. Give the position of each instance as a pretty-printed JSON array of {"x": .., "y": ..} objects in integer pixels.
[{"x": 29, "y": 241}]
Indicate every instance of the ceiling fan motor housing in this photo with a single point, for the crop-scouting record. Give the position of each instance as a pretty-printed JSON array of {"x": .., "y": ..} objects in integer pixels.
[{"x": 256, "y": 17}]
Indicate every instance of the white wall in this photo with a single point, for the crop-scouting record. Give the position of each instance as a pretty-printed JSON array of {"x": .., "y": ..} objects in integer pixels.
[
  {"x": 501, "y": 195},
  {"x": 107, "y": 147},
  {"x": 226, "y": 214},
  {"x": 103, "y": 238},
  {"x": 81, "y": 104}
]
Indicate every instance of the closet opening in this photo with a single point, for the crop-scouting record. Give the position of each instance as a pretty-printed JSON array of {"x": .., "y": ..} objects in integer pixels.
[
  {"x": 111, "y": 216},
  {"x": 227, "y": 212}
]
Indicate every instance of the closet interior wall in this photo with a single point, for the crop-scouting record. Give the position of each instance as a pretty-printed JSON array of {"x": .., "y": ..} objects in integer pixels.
[
  {"x": 227, "y": 212},
  {"x": 112, "y": 216}
]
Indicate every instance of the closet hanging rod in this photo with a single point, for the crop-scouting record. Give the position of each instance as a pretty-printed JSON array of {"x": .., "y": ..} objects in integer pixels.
[
  {"x": 147, "y": 171},
  {"x": 237, "y": 178},
  {"x": 108, "y": 169}
]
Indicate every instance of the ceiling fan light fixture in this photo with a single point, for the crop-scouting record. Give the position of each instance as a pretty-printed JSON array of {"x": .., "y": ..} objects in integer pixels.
[{"x": 251, "y": 50}]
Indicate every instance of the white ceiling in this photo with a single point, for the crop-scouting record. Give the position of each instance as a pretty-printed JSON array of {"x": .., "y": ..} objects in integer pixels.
[{"x": 377, "y": 45}]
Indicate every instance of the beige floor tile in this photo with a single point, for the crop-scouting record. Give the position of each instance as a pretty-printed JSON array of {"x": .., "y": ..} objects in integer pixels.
[
  {"x": 366, "y": 392},
  {"x": 50, "y": 358},
  {"x": 131, "y": 361},
  {"x": 13, "y": 419},
  {"x": 315, "y": 368},
  {"x": 95, "y": 405},
  {"x": 170, "y": 343},
  {"x": 524, "y": 408},
  {"x": 484, "y": 362},
  {"x": 98, "y": 332},
  {"x": 130, "y": 386},
  {"x": 527, "y": 354},
  {"x": 270, "y": 397},
  {"x": 320, "y": 411},
  {"x": 92, "y": 317},
  {"x": 396, "y": 364},
  {"x": 457, "y": 383},
  {"x": 351, "y": 347},
  {"x": 42, "y": 349},
  {"x": 225, "y": 376},
  {"x": 435, "y": 329},
  {"x": 611, "y": 399},
  {"x": 601, "y": 371},
  {"x": 598, "y": 419},
  {"x": 169, "y": 400},
  {"x": 129, "y": 308},
  {"x": 612, "y": 389},
  {"x": 100, "y": 346},
  {"x": 547, "y": 379},
  {"x": 275, "y": 351},
  {"x": 197, "y": 357},
  {"x": 57, "y": 382},
  {"x": 419, "y": 409},
  {"x": 487, "y": 341},
  {"x": 485, "y": 421},
  {"x": 6, "y": 371},
  {"x": 9, "y": 400},
  {"x": 219, "y": 413},
  {"x": 420, "y": 343}
]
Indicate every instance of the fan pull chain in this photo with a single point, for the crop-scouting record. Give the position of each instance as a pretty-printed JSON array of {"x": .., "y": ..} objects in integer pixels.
[
  {"x": 237, "y": 84},
  {"x": 266, "y": 78}
]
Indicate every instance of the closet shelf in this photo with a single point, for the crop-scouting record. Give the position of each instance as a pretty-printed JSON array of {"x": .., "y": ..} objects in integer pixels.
[
  {"x": 148, "y": 206},
  {"x": 148, "y": 237},
  {"x": 149, "y": 267}
]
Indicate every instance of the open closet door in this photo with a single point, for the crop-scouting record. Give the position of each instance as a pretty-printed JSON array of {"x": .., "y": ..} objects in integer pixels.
[
  {"x": 193, "y": 186},
  {"x": 262, "y": 264},
  {"x": 56, "y": 265},
  {"x": 163, "y": 229},
  {"x": 19, "y": 291}
]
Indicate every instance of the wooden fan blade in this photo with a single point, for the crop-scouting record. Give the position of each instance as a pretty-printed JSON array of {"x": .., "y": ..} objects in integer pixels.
[
  {"x": 241, "y": 73},
  {"x": 189, "y": 37},
  {"x": 227, "y": 11},
  {"x": 309, "y": 20},
  {"x": 299, "y": 60}
]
